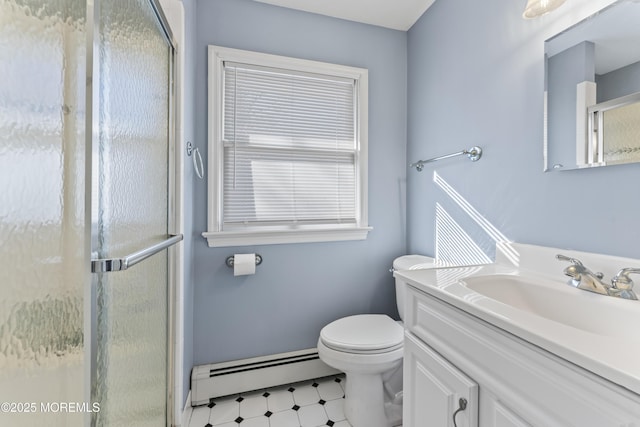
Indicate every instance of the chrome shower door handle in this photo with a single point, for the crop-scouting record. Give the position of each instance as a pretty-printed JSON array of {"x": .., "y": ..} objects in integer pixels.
[{"x": 107, "y": 265}]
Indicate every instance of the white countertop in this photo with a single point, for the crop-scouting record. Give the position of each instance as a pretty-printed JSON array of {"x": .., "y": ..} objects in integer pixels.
[{"x": 612, "y": 352}]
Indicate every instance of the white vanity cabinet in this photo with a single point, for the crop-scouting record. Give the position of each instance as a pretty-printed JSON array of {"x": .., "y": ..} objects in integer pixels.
[{"x": 507, "y": 381}]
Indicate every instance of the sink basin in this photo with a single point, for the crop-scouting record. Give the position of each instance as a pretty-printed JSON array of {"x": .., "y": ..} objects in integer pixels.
[{"x": 560, "y": 303}]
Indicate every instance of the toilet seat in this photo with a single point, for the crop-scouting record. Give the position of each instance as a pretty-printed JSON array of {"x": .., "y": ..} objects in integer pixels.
[{"x": 363, "y": 334}]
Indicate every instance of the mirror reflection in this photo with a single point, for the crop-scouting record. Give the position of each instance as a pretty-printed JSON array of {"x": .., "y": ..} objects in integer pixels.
[{"x": 592, "y": 91}]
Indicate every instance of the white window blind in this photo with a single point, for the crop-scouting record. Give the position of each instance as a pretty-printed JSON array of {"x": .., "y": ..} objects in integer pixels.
[
  {"x": 290, "y": 148},
  {"x": 287, "y": 150}
]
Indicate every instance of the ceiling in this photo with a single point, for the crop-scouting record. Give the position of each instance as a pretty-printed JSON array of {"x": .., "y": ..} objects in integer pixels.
[{"x": 394, "y": 14}]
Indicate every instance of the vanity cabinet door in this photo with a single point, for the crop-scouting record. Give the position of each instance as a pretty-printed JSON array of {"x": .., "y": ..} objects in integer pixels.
[
  {"x": 495, "y": 413},
  {"x": 433, "y": 388}
]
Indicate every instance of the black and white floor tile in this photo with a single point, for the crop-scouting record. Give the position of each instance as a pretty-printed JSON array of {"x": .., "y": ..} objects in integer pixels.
[{"x": 313, "y": 403}]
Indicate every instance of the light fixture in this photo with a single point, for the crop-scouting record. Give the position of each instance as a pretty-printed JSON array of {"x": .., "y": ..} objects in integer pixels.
[{"x": 536, "y": 8}]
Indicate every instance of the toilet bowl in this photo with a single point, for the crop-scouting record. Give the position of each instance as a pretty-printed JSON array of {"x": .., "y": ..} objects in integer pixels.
[
  {"x": 364, "y": 347},
  {"x": 368, "y": 348}
]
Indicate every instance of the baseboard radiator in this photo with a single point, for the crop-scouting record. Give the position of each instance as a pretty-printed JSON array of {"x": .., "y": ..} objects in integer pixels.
[{"x": 239, "y": 376}]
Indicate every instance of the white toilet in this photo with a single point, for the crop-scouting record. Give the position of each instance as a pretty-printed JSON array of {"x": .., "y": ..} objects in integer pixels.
[{"x": 368, "y": 349}]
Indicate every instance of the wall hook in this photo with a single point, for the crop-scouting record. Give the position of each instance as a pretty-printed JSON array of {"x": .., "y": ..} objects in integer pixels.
[{"x": 197, "y": 159}]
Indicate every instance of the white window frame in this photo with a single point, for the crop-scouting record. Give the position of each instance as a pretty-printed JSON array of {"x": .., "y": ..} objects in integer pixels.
[{"x": 216, "y": 235}]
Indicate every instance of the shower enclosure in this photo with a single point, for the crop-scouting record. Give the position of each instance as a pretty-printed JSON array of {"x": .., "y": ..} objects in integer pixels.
[{"x": 87, "y": 213}]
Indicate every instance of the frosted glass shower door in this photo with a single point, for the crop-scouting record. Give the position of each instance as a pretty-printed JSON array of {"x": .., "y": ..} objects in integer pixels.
[
  {"x": 131, "y": 197},
  {"x": 78, "y": 348},
  {"x": 43, "y": 257}
]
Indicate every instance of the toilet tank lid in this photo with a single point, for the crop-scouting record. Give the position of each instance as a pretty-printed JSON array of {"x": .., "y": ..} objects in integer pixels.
[{"x": 413, "y": 262}]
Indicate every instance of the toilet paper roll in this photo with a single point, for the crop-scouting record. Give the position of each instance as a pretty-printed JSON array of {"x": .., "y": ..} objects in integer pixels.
[{"x": 244, "y": 264}]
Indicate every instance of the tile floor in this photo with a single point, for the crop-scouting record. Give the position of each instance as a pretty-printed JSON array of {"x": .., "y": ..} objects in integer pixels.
[{"x": 308, "y": 404}]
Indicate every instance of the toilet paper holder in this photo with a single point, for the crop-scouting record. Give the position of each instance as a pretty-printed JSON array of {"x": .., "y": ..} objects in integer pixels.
[{"x": 230, "y": 260}]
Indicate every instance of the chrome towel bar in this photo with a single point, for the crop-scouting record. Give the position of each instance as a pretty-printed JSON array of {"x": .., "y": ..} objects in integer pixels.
[
  {"x": 118, "y": 264},
  {"x": 473, "y": 153}
]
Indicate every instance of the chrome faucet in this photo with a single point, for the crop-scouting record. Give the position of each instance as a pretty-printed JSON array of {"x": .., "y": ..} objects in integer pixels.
[{"x": 583, "y": 278}]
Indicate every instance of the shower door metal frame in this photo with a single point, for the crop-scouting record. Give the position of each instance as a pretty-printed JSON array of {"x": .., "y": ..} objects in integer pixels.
[{"x": 91, "y": 205}]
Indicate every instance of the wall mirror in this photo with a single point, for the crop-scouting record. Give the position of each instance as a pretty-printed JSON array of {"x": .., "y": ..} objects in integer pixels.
[{"x": 592, "y": 91}]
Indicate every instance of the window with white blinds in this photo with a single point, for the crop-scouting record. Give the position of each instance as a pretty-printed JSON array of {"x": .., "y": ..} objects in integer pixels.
[{"x": 291, "y": 150}]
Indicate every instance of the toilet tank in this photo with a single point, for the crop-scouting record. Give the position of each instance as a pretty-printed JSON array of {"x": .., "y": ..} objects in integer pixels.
[{"x": 408, "y": 262}]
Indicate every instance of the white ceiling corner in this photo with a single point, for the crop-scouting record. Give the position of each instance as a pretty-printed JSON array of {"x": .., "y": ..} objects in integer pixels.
[{"x": 394, "y": 14}]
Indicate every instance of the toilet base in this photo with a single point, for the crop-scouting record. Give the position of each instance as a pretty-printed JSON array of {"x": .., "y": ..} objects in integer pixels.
[{"x": 364, "y": 401}]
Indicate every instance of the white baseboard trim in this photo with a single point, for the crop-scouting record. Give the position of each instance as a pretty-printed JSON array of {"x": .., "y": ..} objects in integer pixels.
[{"x": 239, "y": 376}]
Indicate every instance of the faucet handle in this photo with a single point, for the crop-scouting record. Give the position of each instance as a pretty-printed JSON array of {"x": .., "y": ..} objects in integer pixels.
[
  {"x": 575, "y": 271},
  {"x": 623, "y": 285},
  {"x": 622, "y": 280},
  {"x": 577, "y": 268},
  {"x": 561, "y": 257}
]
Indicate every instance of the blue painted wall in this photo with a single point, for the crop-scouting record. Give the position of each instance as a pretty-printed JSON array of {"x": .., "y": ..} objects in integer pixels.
[
  {"x": 475, "y": 76},
  {"x": 620, "y": 82},
  {"x": 301, "y": 287}
]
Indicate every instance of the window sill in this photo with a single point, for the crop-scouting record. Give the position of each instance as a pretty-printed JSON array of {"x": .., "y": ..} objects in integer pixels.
[{"x": 244, "y": 238}]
